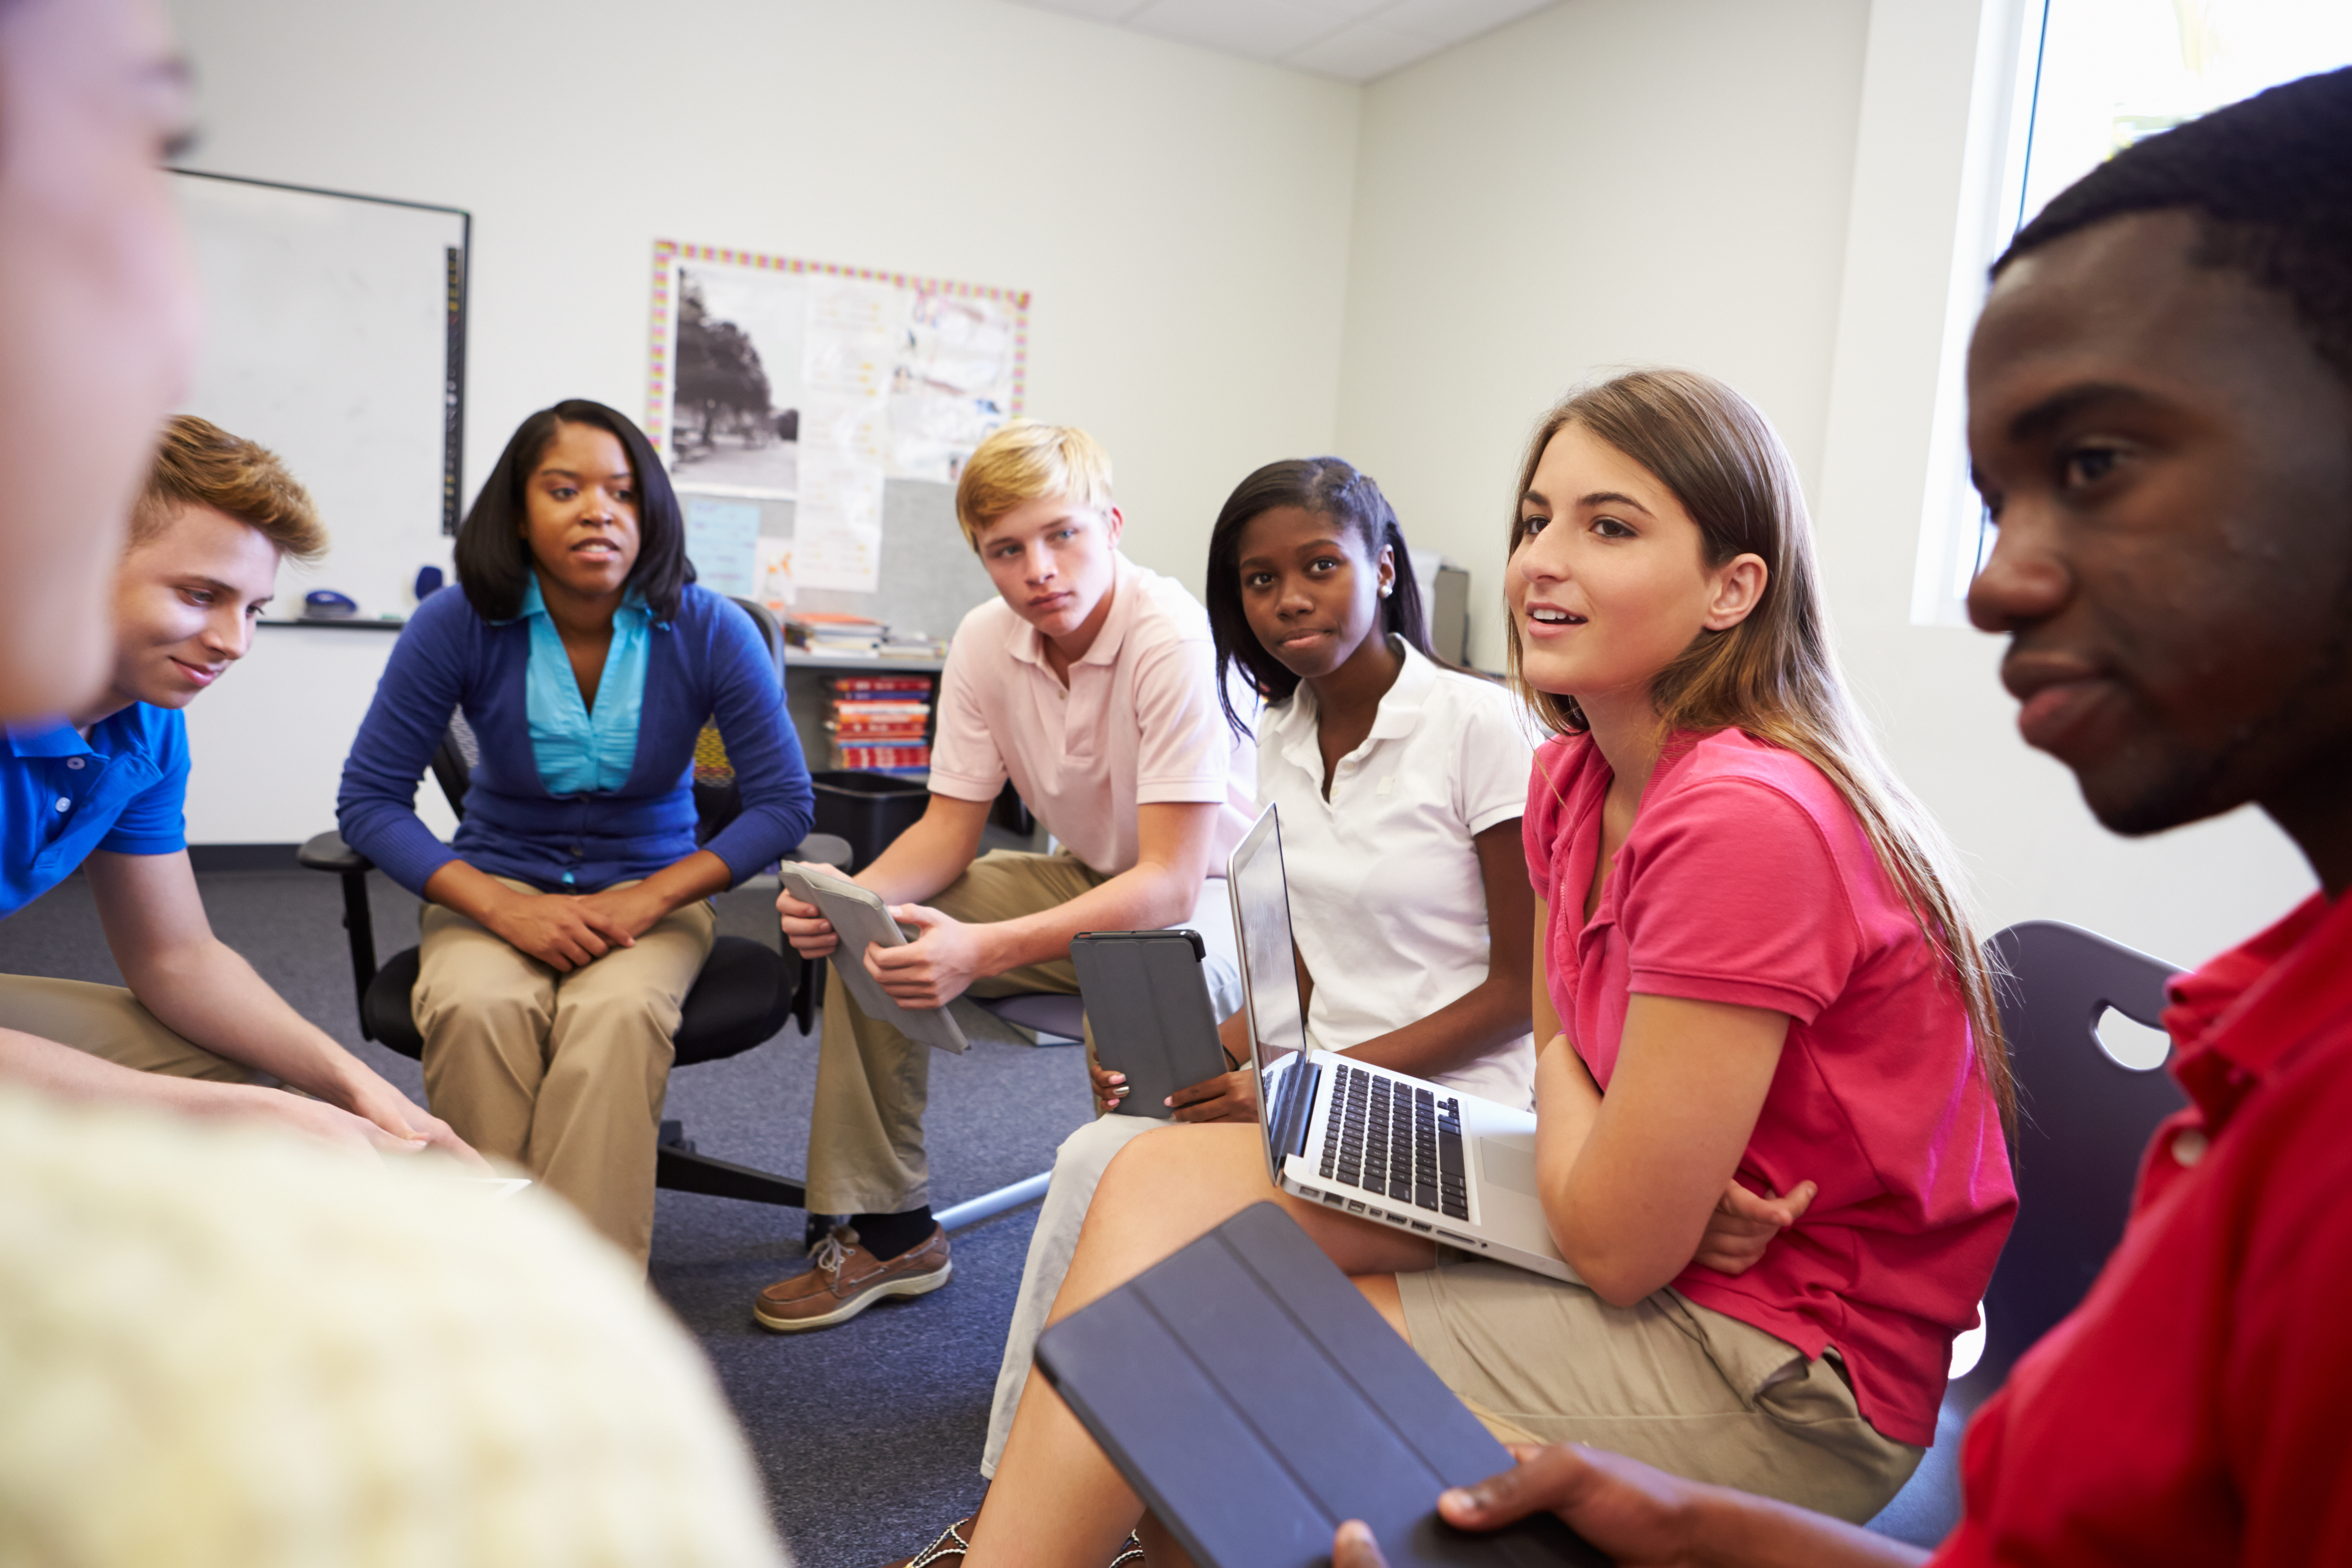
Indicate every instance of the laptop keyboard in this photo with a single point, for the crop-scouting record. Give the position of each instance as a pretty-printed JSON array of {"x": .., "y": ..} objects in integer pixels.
[{"x": 1395, "y": 1141}]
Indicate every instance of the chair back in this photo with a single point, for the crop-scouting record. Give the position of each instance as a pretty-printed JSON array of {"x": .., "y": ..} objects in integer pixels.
[
  {"x": 718, "y": 795},
  {"x": 454, "y": 760},
  {"x": 2084, "y": 1118}
]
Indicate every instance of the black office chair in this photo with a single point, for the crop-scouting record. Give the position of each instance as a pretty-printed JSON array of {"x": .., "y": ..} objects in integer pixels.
[
  {"x": 2084, "y": 1118},
  {"x": 745, "y": 995}
]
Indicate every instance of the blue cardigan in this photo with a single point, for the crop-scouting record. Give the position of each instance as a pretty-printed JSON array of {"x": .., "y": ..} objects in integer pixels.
[{"x": 708, "y": 660}]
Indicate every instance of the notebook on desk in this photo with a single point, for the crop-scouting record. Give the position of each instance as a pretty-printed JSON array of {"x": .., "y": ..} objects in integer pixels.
[{"x": 1255, "y": 1400}]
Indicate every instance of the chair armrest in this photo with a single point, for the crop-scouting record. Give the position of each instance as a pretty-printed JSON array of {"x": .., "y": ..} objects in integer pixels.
[
  {"x": 328, "y": 852},
  {"x": 824, "y": 849}
]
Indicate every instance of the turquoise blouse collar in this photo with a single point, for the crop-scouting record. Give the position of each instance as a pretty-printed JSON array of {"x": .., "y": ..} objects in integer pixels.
[{"x": 580, "y": 751}]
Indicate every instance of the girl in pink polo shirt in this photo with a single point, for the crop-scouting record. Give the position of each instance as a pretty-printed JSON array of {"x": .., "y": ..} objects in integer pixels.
[
  {"x": 1758, "y": 978},
  {"x": 1770, "y": 1084}
]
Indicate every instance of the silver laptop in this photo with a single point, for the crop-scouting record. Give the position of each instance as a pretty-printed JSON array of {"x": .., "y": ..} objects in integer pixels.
[{"x": 1395, "y": 1149}]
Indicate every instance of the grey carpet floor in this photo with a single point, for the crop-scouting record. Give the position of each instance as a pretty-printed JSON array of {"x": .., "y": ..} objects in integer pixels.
[{"x": 868, "y": 1436}]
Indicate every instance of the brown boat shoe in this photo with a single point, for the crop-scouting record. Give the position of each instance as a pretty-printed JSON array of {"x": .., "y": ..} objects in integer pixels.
[
  {"x": 955, "y": 1541},
  {"x": 844, "y": 1278}
]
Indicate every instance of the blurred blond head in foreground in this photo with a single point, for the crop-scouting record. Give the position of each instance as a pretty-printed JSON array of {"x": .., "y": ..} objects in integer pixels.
[{"x": 217, "y": 1347}]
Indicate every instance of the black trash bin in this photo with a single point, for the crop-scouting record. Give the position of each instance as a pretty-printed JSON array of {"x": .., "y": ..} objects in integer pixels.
[{"x": 870, "y": 810}]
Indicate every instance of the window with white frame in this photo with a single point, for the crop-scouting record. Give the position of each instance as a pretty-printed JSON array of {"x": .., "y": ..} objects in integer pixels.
[{"x": 2089, "y": 78}]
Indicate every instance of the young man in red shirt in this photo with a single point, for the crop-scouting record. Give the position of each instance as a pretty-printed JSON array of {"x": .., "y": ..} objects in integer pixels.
[{"x": 2160, "y": 411}]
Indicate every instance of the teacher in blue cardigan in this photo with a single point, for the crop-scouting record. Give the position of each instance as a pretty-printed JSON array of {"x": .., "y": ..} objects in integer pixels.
[{"x": 565, "y": 923}]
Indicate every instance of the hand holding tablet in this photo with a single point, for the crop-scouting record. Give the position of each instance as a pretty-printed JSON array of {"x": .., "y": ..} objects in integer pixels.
[{"x": 859, "y": 920}]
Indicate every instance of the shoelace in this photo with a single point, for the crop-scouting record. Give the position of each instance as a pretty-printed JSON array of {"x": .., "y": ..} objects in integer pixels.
[
  {"x": 950, "y": 1543},
  {"x": 830, "y": 1255}
]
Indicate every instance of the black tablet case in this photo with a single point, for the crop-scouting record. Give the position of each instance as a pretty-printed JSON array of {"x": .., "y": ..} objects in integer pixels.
[
  {"x": 1254, "y": 1399},
  {"x": 1148, "y": 1005}
]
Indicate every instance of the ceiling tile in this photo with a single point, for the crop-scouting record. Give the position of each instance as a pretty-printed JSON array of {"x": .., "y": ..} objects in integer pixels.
[
  {"x": 1112, "y": 11},
  {"x": 1451, "y": 21},
  {"x": 1362, "y": 52},
  {"x": 1260, "y": 29},
  {"x": 1352, "y": 39}
]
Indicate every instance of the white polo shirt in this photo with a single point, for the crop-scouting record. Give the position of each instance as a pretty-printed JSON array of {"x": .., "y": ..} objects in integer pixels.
[
  {"x": 1387, "y": 904},
  {"x": 1139, "y": 723}
]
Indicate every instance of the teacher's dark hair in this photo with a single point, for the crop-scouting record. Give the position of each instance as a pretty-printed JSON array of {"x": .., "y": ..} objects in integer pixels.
[
  {"x": 1328, "y": 488},
  {"x": 493, "y": 558}
]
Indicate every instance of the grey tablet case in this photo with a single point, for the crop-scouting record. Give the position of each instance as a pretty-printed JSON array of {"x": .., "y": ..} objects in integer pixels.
[
  {"x": 859, "y": 917},
  {"x": 1255, "y": 1400},
  {"x": 1148, "y": 1005}
]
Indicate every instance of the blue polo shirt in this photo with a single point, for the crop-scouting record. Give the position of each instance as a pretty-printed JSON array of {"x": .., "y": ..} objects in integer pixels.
[{"x": 124, "y": 790}]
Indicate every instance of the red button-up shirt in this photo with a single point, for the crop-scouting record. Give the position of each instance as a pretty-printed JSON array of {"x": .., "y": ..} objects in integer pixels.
[{"x": 2197, "y": 1408}]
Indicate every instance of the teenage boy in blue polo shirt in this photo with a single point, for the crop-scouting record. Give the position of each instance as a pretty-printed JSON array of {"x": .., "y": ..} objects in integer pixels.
[{"x": 102, "y": 789}]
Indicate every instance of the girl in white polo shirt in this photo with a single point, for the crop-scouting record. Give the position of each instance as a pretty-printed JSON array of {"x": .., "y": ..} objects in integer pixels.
[{"x": 1402, "y": 785}]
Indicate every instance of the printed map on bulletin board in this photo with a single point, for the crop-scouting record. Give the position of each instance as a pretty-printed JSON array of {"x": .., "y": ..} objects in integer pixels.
[{"x": 775, "y": 379}]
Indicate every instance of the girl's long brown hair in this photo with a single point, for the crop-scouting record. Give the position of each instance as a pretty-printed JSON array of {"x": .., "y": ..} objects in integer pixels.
[{"x": 1773, "y": 675}]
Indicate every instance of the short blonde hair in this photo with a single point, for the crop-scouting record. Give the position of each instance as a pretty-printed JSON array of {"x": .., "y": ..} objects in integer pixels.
[
  {"x": 1027, "y": 461},
  {"x": 199, "y": 464}
]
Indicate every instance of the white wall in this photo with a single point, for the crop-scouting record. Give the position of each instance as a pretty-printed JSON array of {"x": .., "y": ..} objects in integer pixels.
[
  {"x": 1180, "y": 216},
  {"x": 1607, "y": 183},
  {"x": 266, "y": 746},
  {"x": 1769, "y": 193}
]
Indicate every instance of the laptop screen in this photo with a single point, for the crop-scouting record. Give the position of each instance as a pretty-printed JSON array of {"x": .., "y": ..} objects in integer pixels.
[{"x": 1261, "y": 898}]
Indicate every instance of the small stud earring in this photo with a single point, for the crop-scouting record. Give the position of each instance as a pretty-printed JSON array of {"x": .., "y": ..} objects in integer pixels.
[{"x": 1384, "y": 590}]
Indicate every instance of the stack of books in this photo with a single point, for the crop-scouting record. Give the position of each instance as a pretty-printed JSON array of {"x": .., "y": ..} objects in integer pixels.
[
  {"x": 838, "y": 636},
  {"x": 881, "y": 724},
  {"x": 832, "y": 634}
]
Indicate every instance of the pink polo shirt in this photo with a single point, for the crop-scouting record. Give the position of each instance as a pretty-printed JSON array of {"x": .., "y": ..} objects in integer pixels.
[
  {"x": 1139, "y": 723},
  {"x": 1745, "y": 880}
]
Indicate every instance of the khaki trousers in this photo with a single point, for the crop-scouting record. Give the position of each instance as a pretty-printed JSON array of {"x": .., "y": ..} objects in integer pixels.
[
  {"x": 866, "y": 1139},
  {"x": 107, "y": 1021},
  {"x": 1670, "y": 1382},
  {"x": 563, "y": 1074}
]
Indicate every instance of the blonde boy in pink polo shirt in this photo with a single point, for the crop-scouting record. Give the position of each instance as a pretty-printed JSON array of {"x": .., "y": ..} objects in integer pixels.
[{"x": 1089, "y": 682}]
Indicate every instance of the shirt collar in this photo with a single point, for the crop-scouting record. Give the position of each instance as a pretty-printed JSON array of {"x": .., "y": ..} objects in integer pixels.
[
  {"x": 1399, "y": 714},
  {"x": 534, "y": 603},
  {"x": 51, "y": 738},
  {"x": 2238, "y": 1015},
  {"x": 1027, "y": 644},
  {"x": 1402, "y": 705}
]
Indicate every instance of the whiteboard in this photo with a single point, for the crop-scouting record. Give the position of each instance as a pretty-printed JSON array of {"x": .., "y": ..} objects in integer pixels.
[{"x": 334, "y": 335}]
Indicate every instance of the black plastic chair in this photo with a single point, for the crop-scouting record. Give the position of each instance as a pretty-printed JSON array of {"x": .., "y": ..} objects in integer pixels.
[
  {"x": 2084, "y": 1120},
  {"x": 746, "y": 992}
]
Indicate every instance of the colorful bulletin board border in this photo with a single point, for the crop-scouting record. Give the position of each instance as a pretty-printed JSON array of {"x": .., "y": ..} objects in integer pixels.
[{"x": 668, "y": 253}]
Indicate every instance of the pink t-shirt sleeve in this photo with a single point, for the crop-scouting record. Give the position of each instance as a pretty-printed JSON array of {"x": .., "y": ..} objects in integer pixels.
[
  {"x": 1730, "y": 894},
  {"x": 1186, "y": 746},
  {"x": 965, "y": 761},
  {"x": 1547, "y": 809}
]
